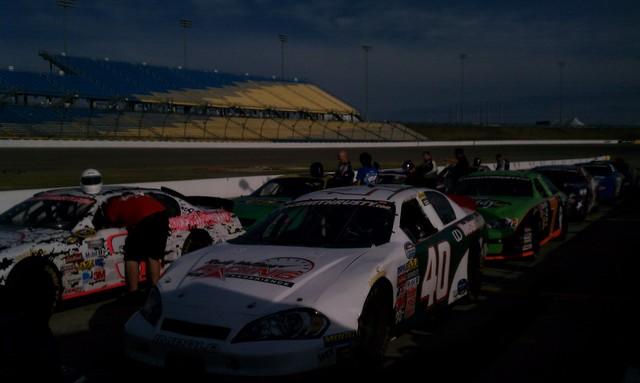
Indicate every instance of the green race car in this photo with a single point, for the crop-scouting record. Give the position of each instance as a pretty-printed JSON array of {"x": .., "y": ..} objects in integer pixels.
[
  {"x": 523, "y": 210},
  {"x": 272, "y": 195}
]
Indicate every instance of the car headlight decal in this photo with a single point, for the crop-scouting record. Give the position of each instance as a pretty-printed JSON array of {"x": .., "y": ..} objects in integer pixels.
[{"x": 300, "y": 323}]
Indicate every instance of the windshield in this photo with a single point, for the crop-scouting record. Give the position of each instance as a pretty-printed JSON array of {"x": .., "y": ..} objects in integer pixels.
[
  {"x": 48, "y": 211},
  {"x": 288, "y": 187},
  {"x": 598, "y": 171},
  {"x": 324, "y": 223},
  {"x": 494, "y": 186},
  {"x": 559, "y": 177}
]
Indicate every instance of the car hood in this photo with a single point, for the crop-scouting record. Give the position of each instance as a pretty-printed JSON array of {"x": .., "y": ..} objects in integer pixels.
[
  {"x": 503, "y": 206},
  {"x": 251, "y": 280},
  {"x": 13, "y": 236}
]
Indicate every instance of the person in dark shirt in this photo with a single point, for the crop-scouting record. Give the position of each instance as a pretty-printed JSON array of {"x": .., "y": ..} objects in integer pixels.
[
  {"x": 501, "y": 162},
  {"x": 461, "y": 168},
  {"x": 411, "y": 173},
  {"x": 427, "y": 171},
  {"x": 344, "y": 174},
  {"x": 147, "y": 223}
]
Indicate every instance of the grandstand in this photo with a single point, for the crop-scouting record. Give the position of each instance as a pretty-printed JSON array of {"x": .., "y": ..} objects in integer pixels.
[{"x": 100, "y": 98}]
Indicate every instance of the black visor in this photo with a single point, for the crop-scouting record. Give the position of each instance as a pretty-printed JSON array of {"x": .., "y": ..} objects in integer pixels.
[{"x": 91, "y": 180}]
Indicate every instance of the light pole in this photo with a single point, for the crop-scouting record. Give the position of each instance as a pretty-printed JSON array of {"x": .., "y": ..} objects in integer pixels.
[
  {"x": 283, "y": 41},
  {"x": 463, "y": 57},
  {"x": 185, "y": 24},
  {"x": 561, "y": 65},
  {"x": 366, "y": 49},
  {"x": 64, "y": 4}
]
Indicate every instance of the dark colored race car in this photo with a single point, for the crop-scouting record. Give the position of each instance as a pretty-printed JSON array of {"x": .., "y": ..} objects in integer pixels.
[
  {"x": 579, "y": 186},
  {"x": 274, "y": 194},
  {"x": 523, "y": 210},
  {"x": 608, "y": 176}
]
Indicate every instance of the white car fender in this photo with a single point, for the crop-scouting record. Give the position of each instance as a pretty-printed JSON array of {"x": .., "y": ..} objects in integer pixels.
[{"x": 343, "y": 301}]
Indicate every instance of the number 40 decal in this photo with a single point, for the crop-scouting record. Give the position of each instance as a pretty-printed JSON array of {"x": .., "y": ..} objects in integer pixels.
[{"x": 435, "y": 286}]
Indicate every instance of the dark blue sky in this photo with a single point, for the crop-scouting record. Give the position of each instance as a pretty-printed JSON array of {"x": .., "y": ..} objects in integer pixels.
[{"x": 513, "y": 48}]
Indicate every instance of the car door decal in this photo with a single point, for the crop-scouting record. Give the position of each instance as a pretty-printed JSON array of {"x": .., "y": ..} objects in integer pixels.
[{"x": 435, "y": 285}]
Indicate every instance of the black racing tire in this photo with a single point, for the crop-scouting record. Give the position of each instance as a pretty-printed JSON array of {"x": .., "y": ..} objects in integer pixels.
[
  {"x": 474, "y": 274},
  {"x": 374, "y": 328},
  {"x": 196, "y": 241},
  {"x": 35, "y": 288}
]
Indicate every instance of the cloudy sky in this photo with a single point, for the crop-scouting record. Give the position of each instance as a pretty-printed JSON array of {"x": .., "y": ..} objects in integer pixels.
[{"x": 513, "y": 49}]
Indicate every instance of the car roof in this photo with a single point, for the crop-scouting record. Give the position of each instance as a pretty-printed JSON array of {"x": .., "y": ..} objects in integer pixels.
[
  {"x": 525, "y": 174},
  {"x": 372, "y": 193},
  {"x": 558, "y": 168},
  {"x": 104, "y": 192}
]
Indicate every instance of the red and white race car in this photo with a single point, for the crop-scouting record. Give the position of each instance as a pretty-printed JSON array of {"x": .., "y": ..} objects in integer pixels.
[{"x": 60, "y": 243}]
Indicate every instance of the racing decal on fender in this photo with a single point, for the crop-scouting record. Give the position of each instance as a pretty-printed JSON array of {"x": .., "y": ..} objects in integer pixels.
[
  {"x": 435, "y": 286},
  {"x": 199, "y": 219},
  {"x": 282, "y": 271},
  {"x": 407, "y": 286}
]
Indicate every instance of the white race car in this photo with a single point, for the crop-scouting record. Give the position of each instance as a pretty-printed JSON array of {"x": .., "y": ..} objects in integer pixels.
[
  {"x": 59, "y": 245},
  {"x": 335, "y": 272}
]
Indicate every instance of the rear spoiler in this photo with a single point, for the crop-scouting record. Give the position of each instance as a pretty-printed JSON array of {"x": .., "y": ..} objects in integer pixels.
[{"x": 204, "y": 202}]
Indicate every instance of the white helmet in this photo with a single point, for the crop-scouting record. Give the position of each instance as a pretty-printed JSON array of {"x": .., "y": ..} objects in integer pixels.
[{"x": 91, "y": 181}]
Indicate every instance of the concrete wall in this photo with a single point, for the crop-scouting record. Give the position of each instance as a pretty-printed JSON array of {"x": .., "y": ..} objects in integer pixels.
[{"x": 238, "y": 186}]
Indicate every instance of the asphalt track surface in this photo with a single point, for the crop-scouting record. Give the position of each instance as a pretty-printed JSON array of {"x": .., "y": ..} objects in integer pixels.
[
  {"x": 569, "y": 315},
  {"x": 42, "y": 168}
]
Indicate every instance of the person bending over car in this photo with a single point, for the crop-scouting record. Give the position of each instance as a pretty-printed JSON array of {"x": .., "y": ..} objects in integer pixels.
[{"x": 147, "y": 223}]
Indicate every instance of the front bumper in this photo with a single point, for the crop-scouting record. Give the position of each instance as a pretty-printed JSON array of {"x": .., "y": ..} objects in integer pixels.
[{"x": 148, "y": 345}]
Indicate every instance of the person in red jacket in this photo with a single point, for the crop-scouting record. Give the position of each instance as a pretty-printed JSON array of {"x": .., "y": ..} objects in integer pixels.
[{"x": 147, "y": 223}]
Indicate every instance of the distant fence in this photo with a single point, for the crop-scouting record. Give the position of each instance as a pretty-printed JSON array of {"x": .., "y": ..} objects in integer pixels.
[
  {"x": 238, "y": 186},
  {"x": 88, "y": 144}
]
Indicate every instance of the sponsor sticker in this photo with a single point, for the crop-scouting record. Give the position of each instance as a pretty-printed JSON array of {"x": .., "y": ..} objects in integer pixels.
[
  {"x": 189, "y": 344},
  {"x": 463, "y": 286},
  {"x": 282, "y": 271},
  {"x": 410, "y": 250}
]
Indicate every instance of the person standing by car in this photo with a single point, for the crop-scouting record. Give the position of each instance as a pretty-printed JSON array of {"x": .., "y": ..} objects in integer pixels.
[
  {"x": 367, "y": 174},
  {"x": 344, "y": 174},
  {"x": 501, "y": 163},
  {"x": 428, "y": 166},
  {"x": 461, "y": 168},
  {"x": 147, "y": 223}
]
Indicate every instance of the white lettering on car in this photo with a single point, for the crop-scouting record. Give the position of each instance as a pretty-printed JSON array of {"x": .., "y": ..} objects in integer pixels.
[{"x": 435, "y": 286}]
